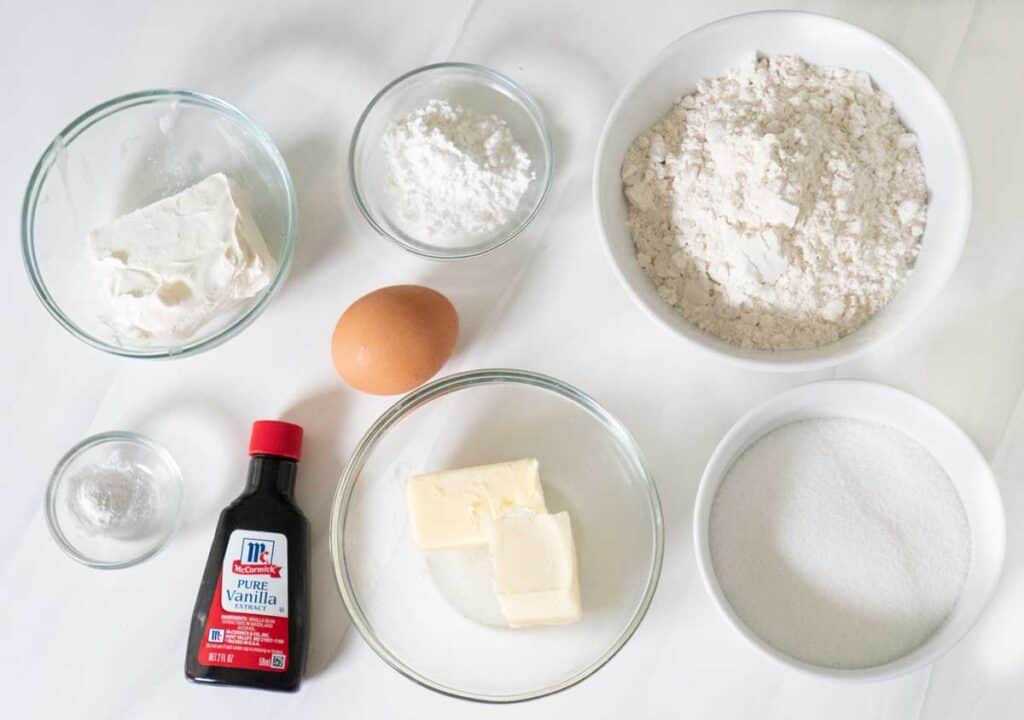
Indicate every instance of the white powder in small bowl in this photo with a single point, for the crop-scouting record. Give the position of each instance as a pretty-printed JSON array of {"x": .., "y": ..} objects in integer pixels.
[
  {"x": 454, "y": 175},
  {"x": 840, "y": 542},
  {"x": 116, "y": 499}
]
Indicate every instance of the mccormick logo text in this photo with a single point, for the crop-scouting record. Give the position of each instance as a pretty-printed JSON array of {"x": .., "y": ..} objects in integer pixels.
[{"x": 257, "y": 558}]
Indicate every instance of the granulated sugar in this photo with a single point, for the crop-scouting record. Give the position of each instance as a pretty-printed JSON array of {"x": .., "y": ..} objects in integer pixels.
[{"x": 840, "y": 542}]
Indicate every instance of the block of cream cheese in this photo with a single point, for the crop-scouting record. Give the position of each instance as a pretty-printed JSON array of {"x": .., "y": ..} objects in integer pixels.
[
  {"x": 457, "y": 508},
  {"x": 169, "y": 268},
  {"x": 535, "y": 572}
]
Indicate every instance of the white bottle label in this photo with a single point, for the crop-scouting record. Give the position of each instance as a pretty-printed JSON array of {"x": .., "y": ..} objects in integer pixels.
[{"x": 254, "y": 577}]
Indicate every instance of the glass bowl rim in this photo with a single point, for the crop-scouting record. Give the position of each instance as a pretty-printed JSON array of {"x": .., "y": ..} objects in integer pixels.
[
  {"x": 436, "y": 253},
  {"x": 107, "y": 109},
  {"x": 57, "y": 477},
  {"x": 445, "y": 386}
]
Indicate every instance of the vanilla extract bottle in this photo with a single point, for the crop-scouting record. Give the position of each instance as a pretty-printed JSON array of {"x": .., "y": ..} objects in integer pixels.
[{"x": 250, "y": 624}]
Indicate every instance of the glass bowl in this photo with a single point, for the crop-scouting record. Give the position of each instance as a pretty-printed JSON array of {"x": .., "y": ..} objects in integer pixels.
[
  {"x": 128, "y": 153},
  {"x": 155, "y": 483},
  {"x": 474, "y": 87},
  {"x": 431, "y": 615}
]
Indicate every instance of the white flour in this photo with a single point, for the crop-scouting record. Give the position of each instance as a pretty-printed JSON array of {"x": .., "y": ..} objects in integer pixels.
[
  {"x": 778, "y": 207},
  {"x": 840, "y": 542},
  {"x": 454, "y": 174}
]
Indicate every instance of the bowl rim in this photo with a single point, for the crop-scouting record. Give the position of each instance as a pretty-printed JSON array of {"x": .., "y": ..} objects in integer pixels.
[
  {"x": 753, "y": 423},
  {"x": 57, "y": 477},
  {"x": 437, "y": 253},
  {"x": 82, "y": 123},
  {"x": 789, "y": 360},
  {"x": 444, "y": 386}
]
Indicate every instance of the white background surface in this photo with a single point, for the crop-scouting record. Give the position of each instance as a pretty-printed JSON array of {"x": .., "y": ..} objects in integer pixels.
[{"x": 87, "y": 644}]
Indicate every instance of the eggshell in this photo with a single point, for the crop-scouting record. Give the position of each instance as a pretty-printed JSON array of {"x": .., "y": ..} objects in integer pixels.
[{"x": 394, "y": 339}]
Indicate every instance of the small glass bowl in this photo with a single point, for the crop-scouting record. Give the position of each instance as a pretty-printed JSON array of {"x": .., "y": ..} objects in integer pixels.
[
  {"x": 127, "y": 153},
  {"x": 472, "y": 86},
  {"x": 117, "y": 547},
  {"x": 431, "y": 616}
]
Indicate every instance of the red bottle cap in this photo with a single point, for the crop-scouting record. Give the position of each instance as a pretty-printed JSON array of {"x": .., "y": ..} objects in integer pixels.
[{"x": 274, "y": 437}]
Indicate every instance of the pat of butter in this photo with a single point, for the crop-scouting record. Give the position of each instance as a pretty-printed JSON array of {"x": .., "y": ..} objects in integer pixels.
[
  {"x": 457, "y": 508},
  {"x": 535, "y": 572}
]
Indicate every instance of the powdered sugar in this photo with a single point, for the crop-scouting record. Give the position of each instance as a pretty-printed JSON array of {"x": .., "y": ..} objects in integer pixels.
[
  {"x": 454, "y": 174},
  {"x": 780, "y": 206}
]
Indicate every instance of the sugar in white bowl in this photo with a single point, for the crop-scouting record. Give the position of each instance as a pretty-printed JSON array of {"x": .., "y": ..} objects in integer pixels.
[{"x": 840, "y": 542}]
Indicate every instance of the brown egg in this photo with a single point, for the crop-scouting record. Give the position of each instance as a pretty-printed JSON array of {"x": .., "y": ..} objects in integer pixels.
[{"x": 394, "y": 339}]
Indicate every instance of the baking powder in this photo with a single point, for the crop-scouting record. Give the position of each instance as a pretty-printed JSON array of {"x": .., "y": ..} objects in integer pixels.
[{"x": 115, "y": 498}]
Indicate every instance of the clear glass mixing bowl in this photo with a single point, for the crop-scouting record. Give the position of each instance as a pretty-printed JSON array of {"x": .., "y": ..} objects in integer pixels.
[
  {"x": 129, "y": 455},
  {"x": 476, "y": 88},
  {"x": 430, "y": 615},
  {"x": 125, "y": 154}
]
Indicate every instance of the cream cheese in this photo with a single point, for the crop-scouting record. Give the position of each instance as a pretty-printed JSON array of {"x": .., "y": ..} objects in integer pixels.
[{"x": 167, "y": 269}]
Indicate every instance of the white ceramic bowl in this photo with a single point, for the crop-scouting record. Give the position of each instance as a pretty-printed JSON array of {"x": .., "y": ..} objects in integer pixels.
[
  {"x": 711, "y": 51},
  {"x": 947, "y": 443}
]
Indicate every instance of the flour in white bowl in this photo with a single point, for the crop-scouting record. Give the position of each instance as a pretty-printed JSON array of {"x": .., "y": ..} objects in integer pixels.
[
  {"x": 780, "y": 206},
  {"x": 454, "y": 174}
]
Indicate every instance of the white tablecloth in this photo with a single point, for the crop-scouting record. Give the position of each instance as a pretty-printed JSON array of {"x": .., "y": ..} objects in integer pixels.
[{"x": 81, "y": 643}]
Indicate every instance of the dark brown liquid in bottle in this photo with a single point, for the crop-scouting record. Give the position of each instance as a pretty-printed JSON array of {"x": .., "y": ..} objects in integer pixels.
[{"x": 243, "y": 632}]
